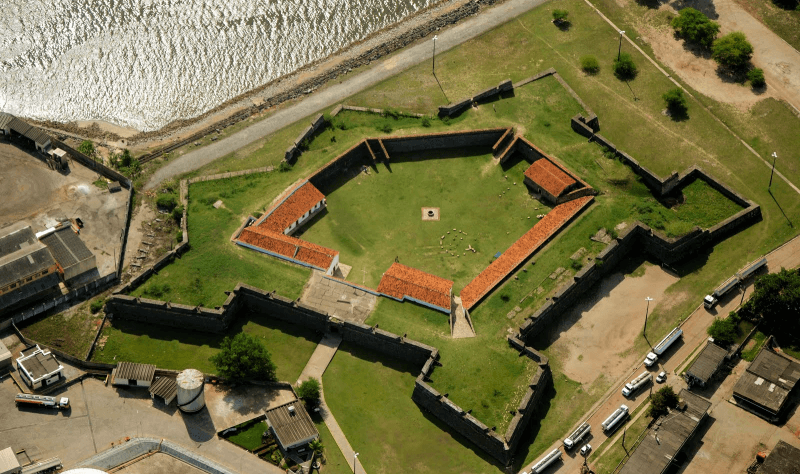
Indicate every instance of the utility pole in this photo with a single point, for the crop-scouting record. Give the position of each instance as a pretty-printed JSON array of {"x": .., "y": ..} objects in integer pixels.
[
  {"x": 619, "y": 50},
  {"x": 774, "y": 157}
]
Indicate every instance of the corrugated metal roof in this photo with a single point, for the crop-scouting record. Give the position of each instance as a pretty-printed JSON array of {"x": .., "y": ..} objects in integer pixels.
[
  {"x": 165, "y": 388},
  {"x": 66, "y": 247},
  {"x": 8, "y": 461},
  {"x": 19, "y": 126},
  {"x": 292, "y": 429},
  {"x": 37, "y": 135},
  {"x": 784, "y": 459},
  {"x": 12, "y": 236},
  {"x": 28, "y": 260},
  {"x": 132, "y": 371},
  {"x": 707, "y": 362},
  {"x": 5, "y": 119},
  {"x": 768, "y": 380}
]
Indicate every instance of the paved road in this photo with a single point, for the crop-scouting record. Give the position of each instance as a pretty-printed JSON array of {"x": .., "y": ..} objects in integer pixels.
[
  {"x": 694, "y": 337},
  {"x": 334, "y": 94}
]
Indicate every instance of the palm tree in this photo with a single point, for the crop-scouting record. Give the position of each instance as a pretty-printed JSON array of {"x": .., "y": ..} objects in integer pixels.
[{"x": 318, "y": 448}]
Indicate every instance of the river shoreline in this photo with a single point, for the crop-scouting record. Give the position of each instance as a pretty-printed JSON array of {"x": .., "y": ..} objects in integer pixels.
[{"x": 303, "y": 81}]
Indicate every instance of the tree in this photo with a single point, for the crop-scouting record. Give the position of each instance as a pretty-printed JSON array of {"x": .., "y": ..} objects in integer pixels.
[
  {"x": 318, "y": 448},
  {"x": 676, "y": 102},
  {"x": 661, "y": 401},
  {"x": 775, "y": 301},
  {"x": 87, "y": 148},
  {"x": 732, "y": 50},
  {"x": 560, "y": 16},
  {"x": 756, "y": 78},
  {"x": 624, "y": 68},
  {"x": 309, "y": 390},
  {"x": 243, "y": 357},
  {"x": 724, "y": 331},
  {"x": 695, "y": 27},
  {"x": 590, "y": 65}
]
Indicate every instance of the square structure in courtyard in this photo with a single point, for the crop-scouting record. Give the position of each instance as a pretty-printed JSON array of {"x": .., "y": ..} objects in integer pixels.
[{"x": 430, "y": 213}]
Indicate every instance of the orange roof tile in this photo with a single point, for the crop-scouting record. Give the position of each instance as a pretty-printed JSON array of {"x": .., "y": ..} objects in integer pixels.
[
  {"x": 268, "y": 241},
  {"x": 300, "y": 201},
  {"x": 290, "y": 247},
  {"x": 401, "y": 281},
  {"x": 521, "y": 250},
  {"x": 550, "y": 177}
]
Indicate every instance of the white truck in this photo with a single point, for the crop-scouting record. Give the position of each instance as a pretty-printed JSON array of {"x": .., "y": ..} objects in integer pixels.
[
  {"x": 711, "y": 300},
  {"x": 615, "y": 418},
  {"x": 631, "y": 387},
  {"x": 577, "y": 435},
  {"x": 662, "y": 346},
  {"x": 546, "y": 461},
  {"x": 41, "y": 400}
]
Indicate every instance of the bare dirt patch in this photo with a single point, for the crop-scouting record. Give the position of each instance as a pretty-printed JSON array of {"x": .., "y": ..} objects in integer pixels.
[{"x": 594, "y": 336}]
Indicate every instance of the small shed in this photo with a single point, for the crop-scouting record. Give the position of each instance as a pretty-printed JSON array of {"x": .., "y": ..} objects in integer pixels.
[
  {"x": 164, "y": 388},
  {"x": 292, "y": 425},
  {"x": 39, "y": 368},
  {"x": 8, "y": 462},
  {"x": 133, "y": 375},
  {"x": 706, "y": 365}
]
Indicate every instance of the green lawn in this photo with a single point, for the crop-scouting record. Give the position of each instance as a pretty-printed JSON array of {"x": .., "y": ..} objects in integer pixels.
[
  {"x": 71, "y": 332},
  {"x": 250, "y": 438},
  {"x": 177, "y": 349},
  {"x": 759, "y": 338},
  {"x": 370, "y": 396},
  {"x": 335, "y": 463}
]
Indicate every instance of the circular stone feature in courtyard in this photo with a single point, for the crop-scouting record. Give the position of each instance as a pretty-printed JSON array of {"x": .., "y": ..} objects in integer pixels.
[{"x": 430, "y": 213}]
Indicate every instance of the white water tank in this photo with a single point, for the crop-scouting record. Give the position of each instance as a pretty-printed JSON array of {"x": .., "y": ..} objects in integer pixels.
[{"x": 190, "y": 391}]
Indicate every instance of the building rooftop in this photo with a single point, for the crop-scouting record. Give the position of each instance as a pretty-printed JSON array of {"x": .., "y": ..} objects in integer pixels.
[
  {"x": 8, "y": 461},
  {"x": 29, "y": 259},
  {"x": 666, "y": 438},
  {"x": 37, "y": 135},
  {"x": 293, "y": 427},
  {"x": 707, "y": 362},
  {"x": 549, "y": 176},
  {"x": 5, "y": 118},
  {"x": 165, "y": 388},
  {"x": 400, "y": 281},
  {"x": 768, "y": 380},
  {"x": 784, "y": 459},
  {"x": 19, "y": 126},
  {"x": 132, "y": 371},
  {"x": 67, "y": 248},
  {"x": 13, "y": 236},
  {"x": 289, "y": 247},
  {"x": 38, "y": 363},
  {"x": 293, "y": 207}
]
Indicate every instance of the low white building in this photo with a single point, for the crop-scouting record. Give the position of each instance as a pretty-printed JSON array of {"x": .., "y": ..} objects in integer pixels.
[
  {"x": 39, "y": 368},
  {"x": 133, "y": 375}
]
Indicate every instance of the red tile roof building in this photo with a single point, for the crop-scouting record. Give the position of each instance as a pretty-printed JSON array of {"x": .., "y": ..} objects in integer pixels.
[
  {"x": 401, "y": 282},
  {"x": 520, "y": 250},
  {"x": 289, "y": 214},
  {"x": 549, "y": 179}
]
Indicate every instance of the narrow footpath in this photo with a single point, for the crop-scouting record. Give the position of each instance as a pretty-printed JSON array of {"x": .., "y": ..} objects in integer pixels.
[
  {"x": 334, "y": 94},
  {"x": 316, "y": 366}
]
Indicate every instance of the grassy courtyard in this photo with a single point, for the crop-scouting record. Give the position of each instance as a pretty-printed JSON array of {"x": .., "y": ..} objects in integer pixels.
[{"x": 177, "y": 349}]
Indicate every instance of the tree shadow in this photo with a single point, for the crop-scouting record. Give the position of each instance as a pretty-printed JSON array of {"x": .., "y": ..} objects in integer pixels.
[
  {"x": 677, "y": 114},
  {"x": 651, "y": 4},
  {"x": 707, "y": 7},
  {"x": 731, "y": 76},
  {"x": 563, "y": 25},
  {"x": 697, "y": 50}
]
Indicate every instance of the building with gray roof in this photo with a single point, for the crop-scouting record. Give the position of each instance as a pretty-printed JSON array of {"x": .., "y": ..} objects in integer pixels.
[
  {"x": 765, "y": 386},
  {"x": 69, "y": 251},
  {"x": 668, "y": 435},
  {"x": 705, "y": 365},
  {"x": 9, "y": 464},
  {"x": 292, "y": 425},
  {"x": 165, "y": 388},
  {"x": 28, "y": 271},
  {"x": 135, "y": 375},
  {"x": 19, "y": 129},
  {"x": 38, "y": 367},
  {"x": 784, "y": 459}
]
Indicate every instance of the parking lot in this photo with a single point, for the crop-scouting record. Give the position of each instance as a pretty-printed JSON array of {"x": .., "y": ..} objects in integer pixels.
[{"x": 101, "y": 415}]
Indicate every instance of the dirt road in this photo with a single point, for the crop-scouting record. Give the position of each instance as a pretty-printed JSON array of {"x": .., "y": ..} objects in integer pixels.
[{"x": 334, "y": 94}]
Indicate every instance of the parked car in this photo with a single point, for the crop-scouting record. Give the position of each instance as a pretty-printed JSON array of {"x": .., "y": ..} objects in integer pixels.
[
  {"x": 662, "y": 377},
  {"x": 586, "y": 449}
]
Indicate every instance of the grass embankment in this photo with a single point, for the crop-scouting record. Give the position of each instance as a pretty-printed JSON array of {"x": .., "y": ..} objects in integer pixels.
[
  {"x": 71, "y": 332},
  {"x": 335, "y": 463},
  {"x": 370, "y": 396},
  {"x": 170, "y": 348},
  {"x": 250, "y": 439}
]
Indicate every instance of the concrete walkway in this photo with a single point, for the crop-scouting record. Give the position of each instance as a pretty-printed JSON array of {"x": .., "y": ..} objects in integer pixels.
[
  {"x": 461, "y": 327},
  {"x": 335, "y": 93},
  {"x": 316, "y": 366}
]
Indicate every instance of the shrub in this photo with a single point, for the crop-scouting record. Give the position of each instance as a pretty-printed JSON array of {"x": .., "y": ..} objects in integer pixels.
[
  {"x": 385, "y": 127},
  {"x": 590, "y": 65},
  {"x": 576, "y": 265},
  {"x": 695, "y": 27},
  {"x": 560, "y": 16},
  {"x": 304, "y": 144},
  {"x": 756, "y": 77},
  {"x": 723, "y": 331},
  {"x": 156, "y": 290},
  {"x": 284, "y": 167},
  {"x": 426, "y": 122},
  {"x": 732, "y": 50},
  {"x": 243, "y": 357},
  {"x": 97, "y": 305},
  {"x": 309, "y": 390},
  {"x": 177, "y": 214},
  {"x": 393, "y": 113},
  {"x": 167, "y": 201},
  {"x": 661, "y": 401},
  {"x": 87, "y": 148},
  {"x": 179, "y": 236},
  {"x": 624, "y": 67},
  {"x": 676, "y": 102},
  {"x": 446, "y": 120}
]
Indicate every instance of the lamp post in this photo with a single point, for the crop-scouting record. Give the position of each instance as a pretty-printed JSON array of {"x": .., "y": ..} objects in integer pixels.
[
  {"x": 774, "y": 157},
  {"x": 619, "y": 50},
  {"x": 355, "y": 460},
  {"x": 647, "y": 311},
  {"x": 433, "y": 64}
]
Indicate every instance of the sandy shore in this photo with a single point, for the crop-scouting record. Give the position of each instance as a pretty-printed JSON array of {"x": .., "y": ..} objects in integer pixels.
[{"x": 303, "y": 81}]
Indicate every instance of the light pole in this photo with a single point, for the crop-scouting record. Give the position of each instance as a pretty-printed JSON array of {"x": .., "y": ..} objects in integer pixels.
[
  {"x": 619, "y": 50},
  {"x": 433, "y": 64},
  {"x": 355, "y": 459},
  {"x": 774, "y": 157},
  {"x": 647, "y": 311}
]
